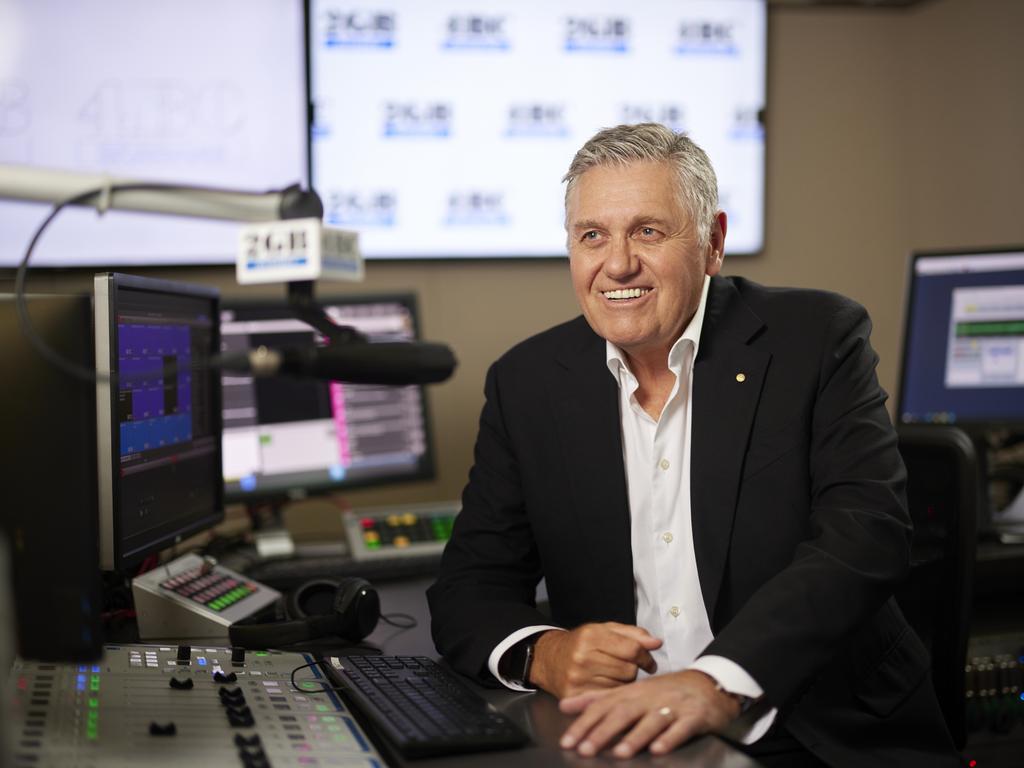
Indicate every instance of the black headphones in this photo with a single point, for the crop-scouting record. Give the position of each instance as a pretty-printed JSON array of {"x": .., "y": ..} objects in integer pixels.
[{"x": 348, "y": 608}]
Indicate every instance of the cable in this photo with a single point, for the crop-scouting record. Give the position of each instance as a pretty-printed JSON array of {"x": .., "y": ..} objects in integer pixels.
[
  {"x": 405, "y": 620},
  {"x": 325, "y": 687},
  {"x": 62, "y": 364}
]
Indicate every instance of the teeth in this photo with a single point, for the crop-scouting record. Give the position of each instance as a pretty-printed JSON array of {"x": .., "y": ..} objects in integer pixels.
[{"x": 626, "y": 293}]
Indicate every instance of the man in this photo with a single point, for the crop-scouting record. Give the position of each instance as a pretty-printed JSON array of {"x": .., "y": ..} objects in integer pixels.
[{"x": 703, "y": 472}]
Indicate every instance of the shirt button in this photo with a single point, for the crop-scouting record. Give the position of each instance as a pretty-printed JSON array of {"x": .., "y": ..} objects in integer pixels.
[
  {"x": 666, "y": 537},
  {"x": 674, "y": 611},
  {"x": 663, "y": 464}
]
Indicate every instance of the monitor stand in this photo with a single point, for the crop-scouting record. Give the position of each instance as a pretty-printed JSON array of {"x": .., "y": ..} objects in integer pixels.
[
  {"x": 273, "y": 542},
  {"x": 270, "y": 537}
]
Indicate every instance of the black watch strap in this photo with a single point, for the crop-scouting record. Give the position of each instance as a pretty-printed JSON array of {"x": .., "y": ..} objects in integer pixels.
[{"x": 519, "y": 661}]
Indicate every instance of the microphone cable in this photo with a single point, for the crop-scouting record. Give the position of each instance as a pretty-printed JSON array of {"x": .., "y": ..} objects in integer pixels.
[{"x": 58, "y": 361}]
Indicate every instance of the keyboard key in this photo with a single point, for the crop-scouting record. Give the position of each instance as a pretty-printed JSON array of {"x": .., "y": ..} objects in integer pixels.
[{"x": 420, "y": 707}]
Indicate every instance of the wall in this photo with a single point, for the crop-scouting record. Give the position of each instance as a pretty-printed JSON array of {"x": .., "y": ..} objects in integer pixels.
[{"x": 888, "y": 130}]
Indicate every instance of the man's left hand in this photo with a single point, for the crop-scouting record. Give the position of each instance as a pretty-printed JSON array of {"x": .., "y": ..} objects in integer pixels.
[{"x": 662, "y": 712}]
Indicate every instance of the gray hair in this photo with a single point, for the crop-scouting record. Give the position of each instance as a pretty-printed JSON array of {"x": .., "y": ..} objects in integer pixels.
[{"x": 696, "y": 182}]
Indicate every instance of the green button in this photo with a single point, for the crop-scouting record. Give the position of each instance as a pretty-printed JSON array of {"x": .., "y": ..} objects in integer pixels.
[
  {"x": 94, "y": 702},
  {"x": 322, "y": 708}
]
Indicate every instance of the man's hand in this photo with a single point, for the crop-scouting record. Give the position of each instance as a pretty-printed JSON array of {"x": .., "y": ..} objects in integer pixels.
[
  {"x": 662, "y": 712},
  {"x": 590, "y": 657}
]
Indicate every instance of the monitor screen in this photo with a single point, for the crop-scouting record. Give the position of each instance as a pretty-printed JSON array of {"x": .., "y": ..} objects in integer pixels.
[
  {"x": 196, "y": 92},
  {"x": 289, "y": 437},
  {"x": 442, "y": 129},
  {"x": 963, "y": 347},
  {"x": 158, "y": 415}
]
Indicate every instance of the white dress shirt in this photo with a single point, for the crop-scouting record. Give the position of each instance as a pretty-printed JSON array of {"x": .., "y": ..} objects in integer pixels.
[{"x": 669, "y": 602}]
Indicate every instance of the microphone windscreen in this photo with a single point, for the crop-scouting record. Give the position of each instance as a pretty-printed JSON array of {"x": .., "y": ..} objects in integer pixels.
[{"x": 392, "y": 363}]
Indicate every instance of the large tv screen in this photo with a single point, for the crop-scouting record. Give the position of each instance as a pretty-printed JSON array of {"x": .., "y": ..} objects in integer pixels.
[
  {"x": 203, "y": 92},
  {"x": 442, "y": 129}
]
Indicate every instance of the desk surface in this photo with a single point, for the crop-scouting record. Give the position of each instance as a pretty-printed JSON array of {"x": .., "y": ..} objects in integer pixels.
[{"x": 537, "y": 713}]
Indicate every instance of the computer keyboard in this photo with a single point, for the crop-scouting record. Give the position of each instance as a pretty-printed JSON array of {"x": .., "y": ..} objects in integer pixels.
[
  {"x": 419, "y": 707},
  {"x": 284, "y": 573}
]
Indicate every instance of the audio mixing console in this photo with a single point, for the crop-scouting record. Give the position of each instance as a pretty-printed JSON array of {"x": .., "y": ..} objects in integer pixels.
[{"x": 151, "y": 705}]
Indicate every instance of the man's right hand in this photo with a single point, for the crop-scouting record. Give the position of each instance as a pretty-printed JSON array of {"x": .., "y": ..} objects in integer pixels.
[{"x": 591, "y": 656}]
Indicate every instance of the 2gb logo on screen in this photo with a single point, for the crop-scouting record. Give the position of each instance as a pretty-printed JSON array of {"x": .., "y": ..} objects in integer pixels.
[
  {"x": 609, "y": 34},
  {"x": 358, "y": 29},
  {"x": 670, "y": 115},
  {"x": 428, "y": 120},
  {"x": 361, "y": 208}
]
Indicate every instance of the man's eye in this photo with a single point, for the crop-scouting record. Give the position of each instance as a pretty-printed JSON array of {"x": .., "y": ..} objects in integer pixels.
[
  {"x": 591, "y": 235},
  {"x": 648, "y": 231}
]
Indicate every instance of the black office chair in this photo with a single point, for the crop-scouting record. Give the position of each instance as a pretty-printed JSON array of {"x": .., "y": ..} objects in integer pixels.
[{"x": 944, "y": 492}]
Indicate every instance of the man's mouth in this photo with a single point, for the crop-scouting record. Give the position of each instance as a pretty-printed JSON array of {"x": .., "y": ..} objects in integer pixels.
[{"x": 620, "y": 294}]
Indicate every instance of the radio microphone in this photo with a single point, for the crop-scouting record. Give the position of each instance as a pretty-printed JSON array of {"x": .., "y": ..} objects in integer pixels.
[{"x": 392, "y": 363}]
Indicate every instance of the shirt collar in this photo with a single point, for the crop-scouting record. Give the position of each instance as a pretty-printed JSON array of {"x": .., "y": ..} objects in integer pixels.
[{"x": 615, "y": 358}]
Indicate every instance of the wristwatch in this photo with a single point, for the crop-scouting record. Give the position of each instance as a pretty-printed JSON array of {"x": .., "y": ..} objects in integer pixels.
[
  {"x": 745, "y": 702},
  {"x": 516, "y": 662}
]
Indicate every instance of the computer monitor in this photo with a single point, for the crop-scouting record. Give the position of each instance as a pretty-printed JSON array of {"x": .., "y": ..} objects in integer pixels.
[
  {"x": 963, "y": 345},
  {"x": 49, "y": 519},
  {"x": 465, "y": 94},
  {"x": 158, "y": 415},
  {"x": 110, "y": 87},
  {"x": 286, "y": 437}
]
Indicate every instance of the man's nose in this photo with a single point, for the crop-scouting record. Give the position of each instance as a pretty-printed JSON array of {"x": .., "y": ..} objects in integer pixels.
[{"x": 622, "y": 260}]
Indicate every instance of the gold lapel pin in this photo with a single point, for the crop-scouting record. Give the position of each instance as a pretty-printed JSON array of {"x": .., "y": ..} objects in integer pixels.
[{"x": 741, "y": 377}]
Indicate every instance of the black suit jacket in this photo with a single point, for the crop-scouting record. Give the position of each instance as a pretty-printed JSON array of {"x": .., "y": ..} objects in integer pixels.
[{"x": 798, "y": 512}]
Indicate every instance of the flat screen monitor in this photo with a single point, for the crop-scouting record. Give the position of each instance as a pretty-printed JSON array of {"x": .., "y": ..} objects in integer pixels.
[
  {"x": 191, "y": 91},
  {"x": 442, "y": 129},
  {"x": 288, "y": 437},
  {"x": 158, "y": 415},
  {"x": 50, "y": 518},
  {"x": 963, "y": 346}
]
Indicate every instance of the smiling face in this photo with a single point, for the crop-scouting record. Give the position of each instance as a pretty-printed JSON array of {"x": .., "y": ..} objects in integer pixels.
[{"x": 636, "y": 263}]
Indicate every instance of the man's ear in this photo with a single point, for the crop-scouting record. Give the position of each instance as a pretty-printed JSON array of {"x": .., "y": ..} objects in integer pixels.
[{"x": 717, "y": 244}]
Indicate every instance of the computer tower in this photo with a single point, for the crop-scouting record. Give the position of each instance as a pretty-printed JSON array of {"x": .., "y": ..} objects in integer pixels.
[{"x": 50, "y": 513}]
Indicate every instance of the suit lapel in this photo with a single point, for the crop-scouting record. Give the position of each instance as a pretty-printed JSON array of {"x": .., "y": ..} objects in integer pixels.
[
  {"x": 585, "y": 398},
  {"x": 728, "y": 376}
]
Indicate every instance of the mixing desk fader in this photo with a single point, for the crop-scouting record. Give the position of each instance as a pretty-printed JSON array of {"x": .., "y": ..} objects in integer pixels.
[{"x": 150, "y": 705}]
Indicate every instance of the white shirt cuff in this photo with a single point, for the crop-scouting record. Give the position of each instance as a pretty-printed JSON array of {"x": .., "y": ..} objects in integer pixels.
[
  {"x": 508, "y": 642},
  {"x": 755, "y": 722}
]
